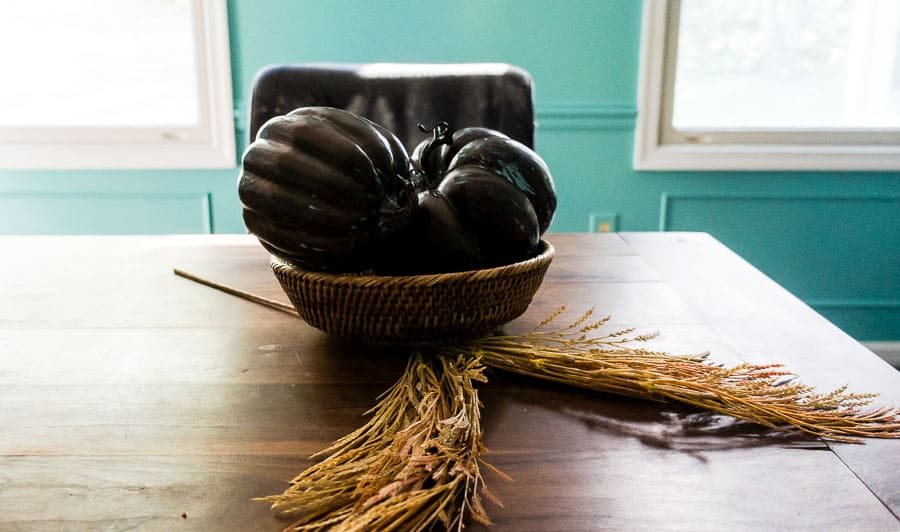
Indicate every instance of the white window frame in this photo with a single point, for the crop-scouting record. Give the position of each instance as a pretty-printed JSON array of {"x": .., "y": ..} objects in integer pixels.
[
  {"x": 658, "y": 146},
  {"x": 210, "y": 144}
]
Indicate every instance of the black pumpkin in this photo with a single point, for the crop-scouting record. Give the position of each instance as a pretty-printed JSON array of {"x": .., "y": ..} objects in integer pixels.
[
  {"x": 497, "y": 215},
  {"x": 434, "y": 241},
  {"x": 322, "y": 187},
  {"x": 432, "y": 156},
  {"x": 490, "y": 150},
  {"x": 484, "y": 195}
]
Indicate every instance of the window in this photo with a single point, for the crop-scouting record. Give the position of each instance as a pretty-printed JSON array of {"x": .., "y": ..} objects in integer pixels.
[
  {"x": 770, "y": 84},
  {"x": 113, "y": 84}
]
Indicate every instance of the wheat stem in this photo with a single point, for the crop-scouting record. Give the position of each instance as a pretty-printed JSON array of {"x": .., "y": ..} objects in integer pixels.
[
  {"x": 414, "y": 464},
  {"x": 615, "y": 362}
]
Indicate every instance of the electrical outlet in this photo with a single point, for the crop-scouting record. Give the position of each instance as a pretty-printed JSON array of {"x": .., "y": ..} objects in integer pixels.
[{"x": 603, "y": 222}]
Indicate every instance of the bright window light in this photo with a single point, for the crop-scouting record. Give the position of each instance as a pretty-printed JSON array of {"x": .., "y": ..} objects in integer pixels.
[
  {"x": 769, "y": 84},
  {"x": 788, "y": 64},
  {"x": 113, "y": 83}
]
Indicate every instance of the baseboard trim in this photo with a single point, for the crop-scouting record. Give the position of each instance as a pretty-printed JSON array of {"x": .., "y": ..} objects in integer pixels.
[{"x": 889, "y": 351}]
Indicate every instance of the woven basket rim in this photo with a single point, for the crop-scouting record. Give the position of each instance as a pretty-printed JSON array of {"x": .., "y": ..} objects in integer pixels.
[{"x": 545, "y": 256}]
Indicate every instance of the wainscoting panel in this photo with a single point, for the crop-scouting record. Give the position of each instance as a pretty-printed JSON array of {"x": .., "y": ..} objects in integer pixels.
[
  {"x": 104, "y": 213},
  {"x": 836, "y": 253}
]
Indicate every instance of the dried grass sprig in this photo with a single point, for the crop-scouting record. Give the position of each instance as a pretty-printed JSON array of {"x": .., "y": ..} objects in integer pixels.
[
  {"x": 414, "y": 464},
  {"x": 417, "y": 462},
  {"x": 615, "y": 362}
]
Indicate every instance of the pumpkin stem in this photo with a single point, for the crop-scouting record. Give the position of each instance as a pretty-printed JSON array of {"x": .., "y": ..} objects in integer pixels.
[{"x": 441, "y": 134}]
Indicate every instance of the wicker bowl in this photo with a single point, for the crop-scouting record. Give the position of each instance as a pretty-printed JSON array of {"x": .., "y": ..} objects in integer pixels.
[{"x": 414, "y": 308}]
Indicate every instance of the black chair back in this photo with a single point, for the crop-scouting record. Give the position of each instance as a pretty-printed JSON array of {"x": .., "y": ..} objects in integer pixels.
[{"x": 399, "y": 96}]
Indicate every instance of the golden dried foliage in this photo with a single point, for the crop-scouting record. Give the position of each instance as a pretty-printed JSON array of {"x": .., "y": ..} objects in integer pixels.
[
  {"x": 582, "y": 355},
  {"x": 415, "y": 464}
]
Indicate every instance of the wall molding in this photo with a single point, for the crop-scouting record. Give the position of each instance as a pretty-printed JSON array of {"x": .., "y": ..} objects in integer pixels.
[
  {"x": 666, "y": 200},
  {"x": 585, "y": 115},
  {"x": 855, "y": 303},
  {"x": 868, "y": 305},
  {"x": 553, "y": 116}
]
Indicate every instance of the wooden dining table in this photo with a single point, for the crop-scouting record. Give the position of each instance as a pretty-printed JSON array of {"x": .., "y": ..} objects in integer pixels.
[{"x": 135, "y": 399}]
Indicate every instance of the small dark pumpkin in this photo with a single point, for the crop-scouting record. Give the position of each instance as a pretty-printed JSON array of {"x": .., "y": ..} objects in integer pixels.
[
  {"x": 484, "y": 196},
  {"x": 493, "y": 152},
  {"x": 497, "y": 215},
  {"x": 432, "y": 156},
  {"x": 434, "y": 241},
  {"x": 323, "y": 187}
]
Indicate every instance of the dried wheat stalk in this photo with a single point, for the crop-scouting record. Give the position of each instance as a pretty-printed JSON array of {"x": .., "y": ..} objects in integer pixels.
[
  {"x": 415, "y": 464},
  {"x": 582, "y": 355}
]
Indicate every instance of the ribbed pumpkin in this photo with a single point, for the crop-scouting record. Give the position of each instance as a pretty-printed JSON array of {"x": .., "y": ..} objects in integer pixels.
[
  {"x": 432, "y": 156},
  {"x": 484, "y": 201},
  {"x": 492, "y": 152},
  {"x": 322, "y": 187}
]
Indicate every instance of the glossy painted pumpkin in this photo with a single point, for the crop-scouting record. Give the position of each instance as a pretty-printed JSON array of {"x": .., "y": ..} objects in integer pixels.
[
  {"x": 484, "y": 200},
  {"x": 493, "y": 152},
  {"x": 322, "y": 187}
]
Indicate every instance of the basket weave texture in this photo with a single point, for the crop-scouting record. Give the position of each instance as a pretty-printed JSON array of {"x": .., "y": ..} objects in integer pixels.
[{"x": 414, "y": 308}]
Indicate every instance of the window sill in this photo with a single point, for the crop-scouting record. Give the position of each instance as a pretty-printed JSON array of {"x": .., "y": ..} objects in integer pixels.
[{"x": 766, "y": 157}]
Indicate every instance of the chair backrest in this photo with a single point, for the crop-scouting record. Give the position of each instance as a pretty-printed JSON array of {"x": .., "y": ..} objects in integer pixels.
[{"x": 399, "y": 96}]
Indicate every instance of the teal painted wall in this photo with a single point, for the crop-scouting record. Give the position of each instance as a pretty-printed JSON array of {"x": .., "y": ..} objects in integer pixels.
[{"x": 832, "y": 238}]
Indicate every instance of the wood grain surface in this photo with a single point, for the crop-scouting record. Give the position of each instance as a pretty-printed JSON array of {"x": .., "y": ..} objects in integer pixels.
[{"x": 131, "y": 398}]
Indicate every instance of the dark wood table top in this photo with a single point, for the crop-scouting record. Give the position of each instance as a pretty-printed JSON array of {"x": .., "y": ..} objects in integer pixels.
[{"x": 129, "y": 396}]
